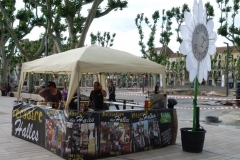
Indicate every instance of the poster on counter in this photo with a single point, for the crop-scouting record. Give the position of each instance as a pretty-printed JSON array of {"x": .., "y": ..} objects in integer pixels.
[
  {"x": 81, "y": 140},
  {"x": 165, "y": 120},
  {"x": 146, "y": 131},
  {"x": 28, "y": 123},
  {"x": 115, "y": 133},
  {"x": 55, "y": 131}
]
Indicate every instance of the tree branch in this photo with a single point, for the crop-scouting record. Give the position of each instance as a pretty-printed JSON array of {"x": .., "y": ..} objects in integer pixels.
[
  {"x": 84, "y": 3},
  {"x": 12, "y": 50},
  {"x": 104, "y": 13},
  {"x": 11, "y": 32},
  {"x": 88, "y": 22},
  {"x": 38, "y": 4},
  {"x": 40, "y": 49},
  {"x": 57, "y": 42},
  {"x": 72, "y": 35},
  {"x": 5, "y": 41}
]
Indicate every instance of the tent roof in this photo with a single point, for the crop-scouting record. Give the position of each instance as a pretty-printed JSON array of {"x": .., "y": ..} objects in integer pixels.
[{"x": 93, "y": 59}]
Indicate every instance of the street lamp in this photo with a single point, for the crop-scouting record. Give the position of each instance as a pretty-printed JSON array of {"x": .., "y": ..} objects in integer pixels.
[
  {"x": 227, "y": 68},
  {"x": 46, "y": 54},
  {"x": 143, "y": 82}
]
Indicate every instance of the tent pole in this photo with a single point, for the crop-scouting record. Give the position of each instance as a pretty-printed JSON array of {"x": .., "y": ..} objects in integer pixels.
[{"x": 78, "y": 94}]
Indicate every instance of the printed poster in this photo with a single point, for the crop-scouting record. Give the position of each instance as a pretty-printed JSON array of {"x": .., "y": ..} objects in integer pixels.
[
  {"x": 28, "y": 123},
  {"x": 165, "y": 120},
  {"x": 81, "y": 135},
  {"x": 115, "y": 133},
  {"x": 146, "y": 131},
  {"x": 55, "y": 131}
]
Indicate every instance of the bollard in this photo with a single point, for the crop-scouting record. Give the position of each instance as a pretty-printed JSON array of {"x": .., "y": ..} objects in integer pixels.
[{"x": 124, "y": 104}]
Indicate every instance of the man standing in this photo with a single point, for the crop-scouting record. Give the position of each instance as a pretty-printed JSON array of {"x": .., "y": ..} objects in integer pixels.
[
  {"x": 96, "y": 97},
  {"x": 156, "y": 88},
  {"x": 111, "y": 90}
]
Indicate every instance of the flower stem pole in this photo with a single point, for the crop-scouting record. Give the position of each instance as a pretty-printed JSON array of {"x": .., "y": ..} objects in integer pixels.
[{"x": 195, "y": 103}]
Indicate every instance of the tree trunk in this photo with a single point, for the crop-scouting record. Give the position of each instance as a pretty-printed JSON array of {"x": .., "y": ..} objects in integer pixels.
[
  {"x": 30, "y": 82},
  {"x": 4, "y": 67},
  {"x": 88, "y": 22}
]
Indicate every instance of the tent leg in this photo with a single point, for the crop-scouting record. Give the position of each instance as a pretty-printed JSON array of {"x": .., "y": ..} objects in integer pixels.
[{"x": 78, "y": 95}]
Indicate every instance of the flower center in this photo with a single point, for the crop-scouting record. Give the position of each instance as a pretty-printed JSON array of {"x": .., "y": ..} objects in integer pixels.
[{"x": 200, "y": 42}]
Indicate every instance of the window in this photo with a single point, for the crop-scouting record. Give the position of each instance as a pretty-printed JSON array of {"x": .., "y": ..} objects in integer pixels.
[
  {"x": 219, "y": 73},
  {"x": 214, "y": 74},
  {"x": 210, "y": 74},
  {"x": 219, "y": 56}
]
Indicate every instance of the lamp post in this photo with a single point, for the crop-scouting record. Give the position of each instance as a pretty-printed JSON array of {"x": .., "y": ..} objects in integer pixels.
[
  {"x": 143, "y": 82},
  {"x": 46, "y": 54},
  {"x": 227, "y": 68}
]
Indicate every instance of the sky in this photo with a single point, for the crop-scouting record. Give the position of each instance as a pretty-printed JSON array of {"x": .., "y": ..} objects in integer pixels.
[{"x": 123, "y": 24}]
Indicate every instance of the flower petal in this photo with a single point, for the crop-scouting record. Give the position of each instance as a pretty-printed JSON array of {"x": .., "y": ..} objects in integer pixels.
[
  {"x": 212, "y": 37},
  {"x": 189, "y": 21},
  {"x": 186, "y": 34},
  {"x": 204, "y": 17},
  {"x": 205, "y": 75},
  {"x": 189, "y": 62},
  {"x": 210, "y": 26},
  {"x": 200, "y": 72},
  {"x": 200, "y": 12},
  {"x": 208, "y": 62},
  {"x": 195, "y": 12},
  {"x": 193, "y": 74},
  {"x": 185, "y": 48},
  {"x": 212, "y": 49}
]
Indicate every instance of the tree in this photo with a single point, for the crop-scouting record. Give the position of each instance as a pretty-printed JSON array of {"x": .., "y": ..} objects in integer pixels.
[
  {"x": 26, "y": 21},
  {"x": 15, "y": 65},
  {"x": 77, "y": 25},
  {"x": 152, "y": 55},
  {"x": 105, "y": 40},
  {"x": 228, "y": 29},
  {"x": 6, "y": 45},
  {"x": 179, "y": 17},
  {"x": 214, "y": 68},
  {"x": 52, "y": 15},
  {"x": 165, "y": 34}
]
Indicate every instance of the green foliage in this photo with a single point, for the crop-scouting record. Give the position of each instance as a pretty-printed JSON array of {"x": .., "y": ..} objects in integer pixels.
[
  {"x": 105, "y": 40},
  {"x": 151, "y": 53},
  {"x": 209, "y": 10},
  {"x": 16, "y": 60},
  {"x": 178, "y": 15},
  {"x": 228, "y": 29}
]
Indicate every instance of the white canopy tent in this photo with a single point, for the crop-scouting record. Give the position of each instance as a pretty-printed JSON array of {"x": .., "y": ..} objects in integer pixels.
[{"x": 89, "y": 60}]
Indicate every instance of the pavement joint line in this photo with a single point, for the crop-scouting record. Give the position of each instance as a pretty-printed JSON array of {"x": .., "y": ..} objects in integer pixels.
[{"x": 227, "y": 156}]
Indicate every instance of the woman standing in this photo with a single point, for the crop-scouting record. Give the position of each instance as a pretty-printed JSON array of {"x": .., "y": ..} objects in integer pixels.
[
  {"x": 51, "y": 93},
  {"x": 64, "y": 92}
]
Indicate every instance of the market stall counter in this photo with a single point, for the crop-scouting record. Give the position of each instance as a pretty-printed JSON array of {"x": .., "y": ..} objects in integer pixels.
[{"x": 91, "y": 135}]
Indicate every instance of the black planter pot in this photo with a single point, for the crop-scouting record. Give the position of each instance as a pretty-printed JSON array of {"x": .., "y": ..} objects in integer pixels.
[{"x": 192, "y": 141}]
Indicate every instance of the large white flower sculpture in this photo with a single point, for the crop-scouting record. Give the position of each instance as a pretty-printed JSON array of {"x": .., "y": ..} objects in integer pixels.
[{"x": 198, "y": 42}]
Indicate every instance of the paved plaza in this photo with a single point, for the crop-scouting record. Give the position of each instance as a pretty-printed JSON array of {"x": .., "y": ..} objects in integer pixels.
[{"x": 220, "y": 143}]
